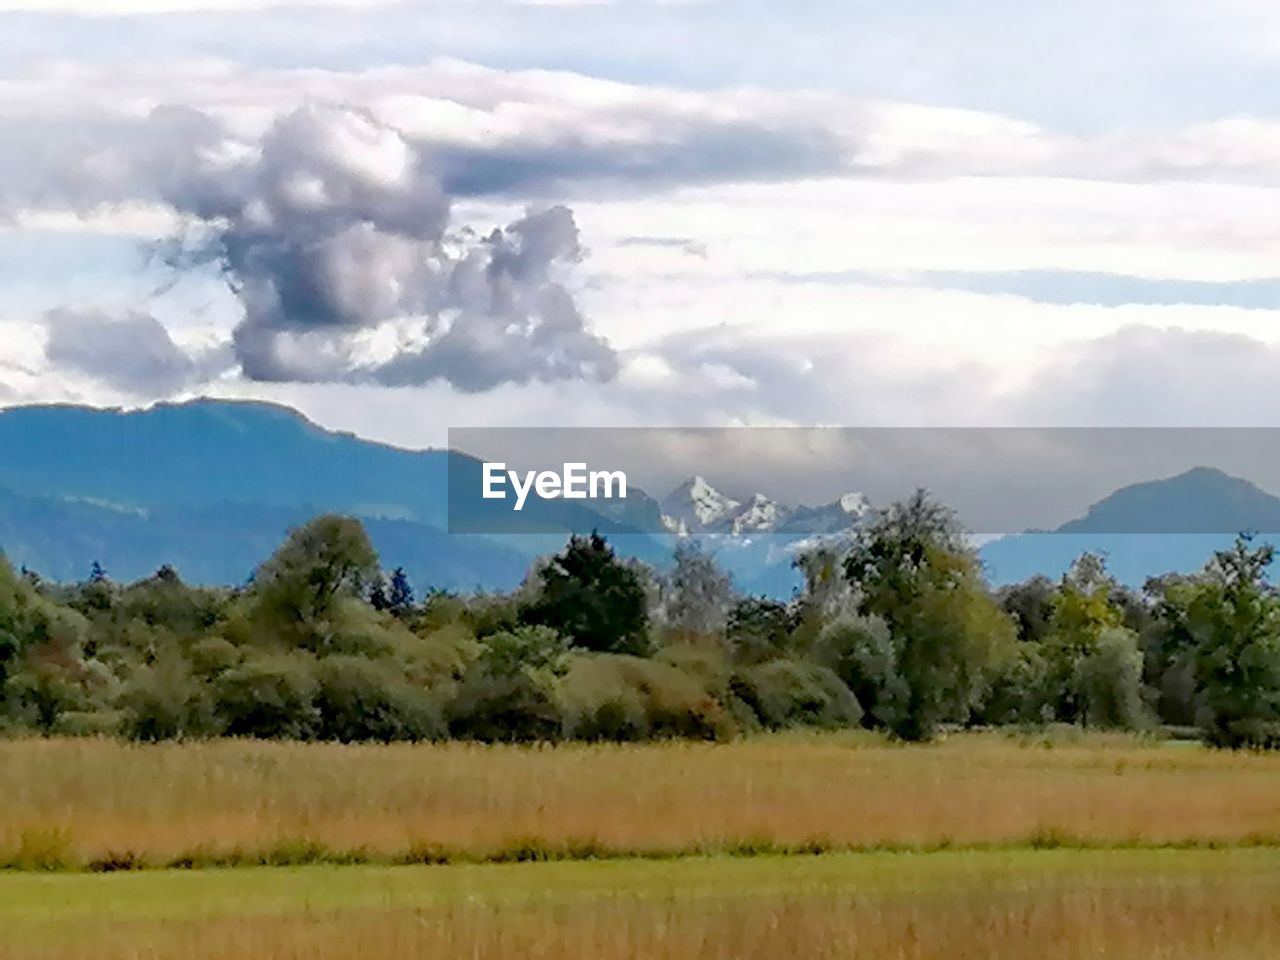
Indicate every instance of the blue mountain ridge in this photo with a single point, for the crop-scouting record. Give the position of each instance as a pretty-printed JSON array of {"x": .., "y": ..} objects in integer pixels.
[{"x": 212, "y": 486}]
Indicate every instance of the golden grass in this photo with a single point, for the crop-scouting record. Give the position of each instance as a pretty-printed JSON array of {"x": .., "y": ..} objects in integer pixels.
[
  {"x": 68, "y": 802},
  {"x": 942, "y": 906}
]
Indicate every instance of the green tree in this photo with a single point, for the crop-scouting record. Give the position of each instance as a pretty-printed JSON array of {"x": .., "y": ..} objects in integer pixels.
[
  {"x": 361, "y": 699},
  {"x": 401, "y": 599},
  {"x": 914, "y": 570},
  {"x": 862, "y": 653},
  {"x": 269, "y": 696},
  {"x": 1095, "y": 661},
  {"x": 298, "y": 589},
  {"x": 1233, "y": 616},
  {"x": 589, "y": 596}
]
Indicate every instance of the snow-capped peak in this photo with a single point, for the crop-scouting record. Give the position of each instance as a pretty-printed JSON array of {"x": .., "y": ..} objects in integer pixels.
[
  {"x": 698, "y": 504},
  {"x": 760, "y": 514},
  {"x": 855, "y": 504}
]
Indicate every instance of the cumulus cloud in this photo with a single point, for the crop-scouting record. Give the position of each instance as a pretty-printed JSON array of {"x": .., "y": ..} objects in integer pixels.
[
  {"x": 132, "y": 352},
  {"x": 338, "y": 238},
  {"x": 336, "y": 229}
]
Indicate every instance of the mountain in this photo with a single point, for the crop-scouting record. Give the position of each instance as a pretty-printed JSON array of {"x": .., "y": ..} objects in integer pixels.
[
  {"x": 1161, "y": 526},
  {"x": 213, "y": 486},
  {"x": 1202, "y": 500},
  {"x": 696, "y": 507}
]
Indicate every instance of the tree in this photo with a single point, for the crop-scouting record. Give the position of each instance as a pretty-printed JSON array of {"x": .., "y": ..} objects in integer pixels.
[
  {"x": 401, "y": 598},
  {"x": 696, "y": 595},
  {"x": 760, "y": 628},
  {"x": 1095, "y": 661},
  {"x": 914, "y": 570},
  {"x": 588, "y": 595},
  {"x": 269, "y": 696},
  {"x": 1030, "y": 605},
  {"x": 361, "y": 699},
  {"x": 862, "y": 653},
  {"x": 378, "y": 598},
  {"x": 508, "y": 693},
  {"x": 318, "y": 563},
  {"x": 1233, "y": 618},
  {"x": 1108, "y": 682}
]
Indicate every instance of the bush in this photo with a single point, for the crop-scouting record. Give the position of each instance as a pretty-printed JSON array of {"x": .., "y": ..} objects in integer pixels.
[
  {"x": 361, "y": 699},
  {"x": 617, "y": 697},
  {"x": 269, "y": 696},
  {"x": 862, "y": 654},
  {"x": 787, "y": 693},
  {"x": 166, "y": 701},
  {"x": 503, "y": 709}
]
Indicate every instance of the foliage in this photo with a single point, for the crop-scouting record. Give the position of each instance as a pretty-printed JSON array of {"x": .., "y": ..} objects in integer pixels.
[
  {"x": 696, "y": 594},
  {"x": 298, "y": 589},
  {"x": 594, "y": 599},
  {"x": 1230, "y": 620},
  {"x": 361, "y": 699},
  {"x": 895, "y": 630},
  {"x": 914, "y": 571}
]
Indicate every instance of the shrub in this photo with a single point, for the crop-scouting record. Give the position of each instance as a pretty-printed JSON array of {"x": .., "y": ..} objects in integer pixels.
[
  {"x": 786, "y": 693},
  {"x": 503, "y": 709},
  {"x": 269, "y": 696},
  {"x": 166, "y": 701},
  {"x": 617, "y": 697},
  {"x": 360, "y": 699}
]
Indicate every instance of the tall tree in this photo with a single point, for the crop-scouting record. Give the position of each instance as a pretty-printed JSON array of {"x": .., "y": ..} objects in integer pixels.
[
  {"x": 401, "y": 599},
  {"x": 1233, "y": 616},
  {"x": 591, "y": 597},
  {"x": 697, "y": 594},
  {"x": 914, "y": 570},
  {"x": 317, "y": 564}
]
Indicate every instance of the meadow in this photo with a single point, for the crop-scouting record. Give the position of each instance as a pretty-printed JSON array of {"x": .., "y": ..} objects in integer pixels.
[
  {"x": 100, "y": 804},
  {"x": 1127, "y": 904}
]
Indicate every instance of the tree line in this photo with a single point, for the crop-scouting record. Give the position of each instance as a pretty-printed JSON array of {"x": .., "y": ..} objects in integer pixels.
[{"x": 895, "y": 629}]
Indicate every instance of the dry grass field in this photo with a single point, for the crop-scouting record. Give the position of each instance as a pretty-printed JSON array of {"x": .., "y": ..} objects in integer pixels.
[
  {"x": 1125, "y": 904},
  {"x": 69, "y": 803}
]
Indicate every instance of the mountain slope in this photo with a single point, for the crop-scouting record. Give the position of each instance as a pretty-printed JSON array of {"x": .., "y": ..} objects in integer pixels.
[
  {"x": 1146, "y": 529},
  {"x": 212, "y": 487},
  {"x": 1202, "y": 500}
]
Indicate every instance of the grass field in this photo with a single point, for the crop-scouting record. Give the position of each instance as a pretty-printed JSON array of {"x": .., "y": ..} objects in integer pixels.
[
  {"x": 1128, "y": 904},
  {"x": 74, "y": 803}
]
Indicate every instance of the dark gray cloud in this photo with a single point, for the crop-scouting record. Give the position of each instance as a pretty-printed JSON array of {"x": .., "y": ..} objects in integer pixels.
[
  {"x": 131, "y": 352},
  {"x": 688, "y": 151}
]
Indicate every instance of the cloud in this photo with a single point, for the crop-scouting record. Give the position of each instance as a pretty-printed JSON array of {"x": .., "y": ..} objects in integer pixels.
[
  {"x": 119, "y": 8},
  {"x": 336, "y": 232},
  {"x": 132, "y": 353},
  {"x": 1142, "y": 376}
]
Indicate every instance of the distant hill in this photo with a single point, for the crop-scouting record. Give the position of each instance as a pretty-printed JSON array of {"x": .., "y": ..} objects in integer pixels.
[
  {"x": 1161, "y": 526},
  {"x": 213, "y": 486},
  {"x": 1203, "y": 500}
]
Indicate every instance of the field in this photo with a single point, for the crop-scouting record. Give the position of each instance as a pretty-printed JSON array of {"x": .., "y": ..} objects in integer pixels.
[
  {"x": 984, "y": 846},
  {"x": 1177, "y": 905},
  {"x": 71, "y": 803}
]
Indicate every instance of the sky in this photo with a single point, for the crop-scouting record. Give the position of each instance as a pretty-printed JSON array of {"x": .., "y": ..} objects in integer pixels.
[{"x": 406, "y": 218}]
